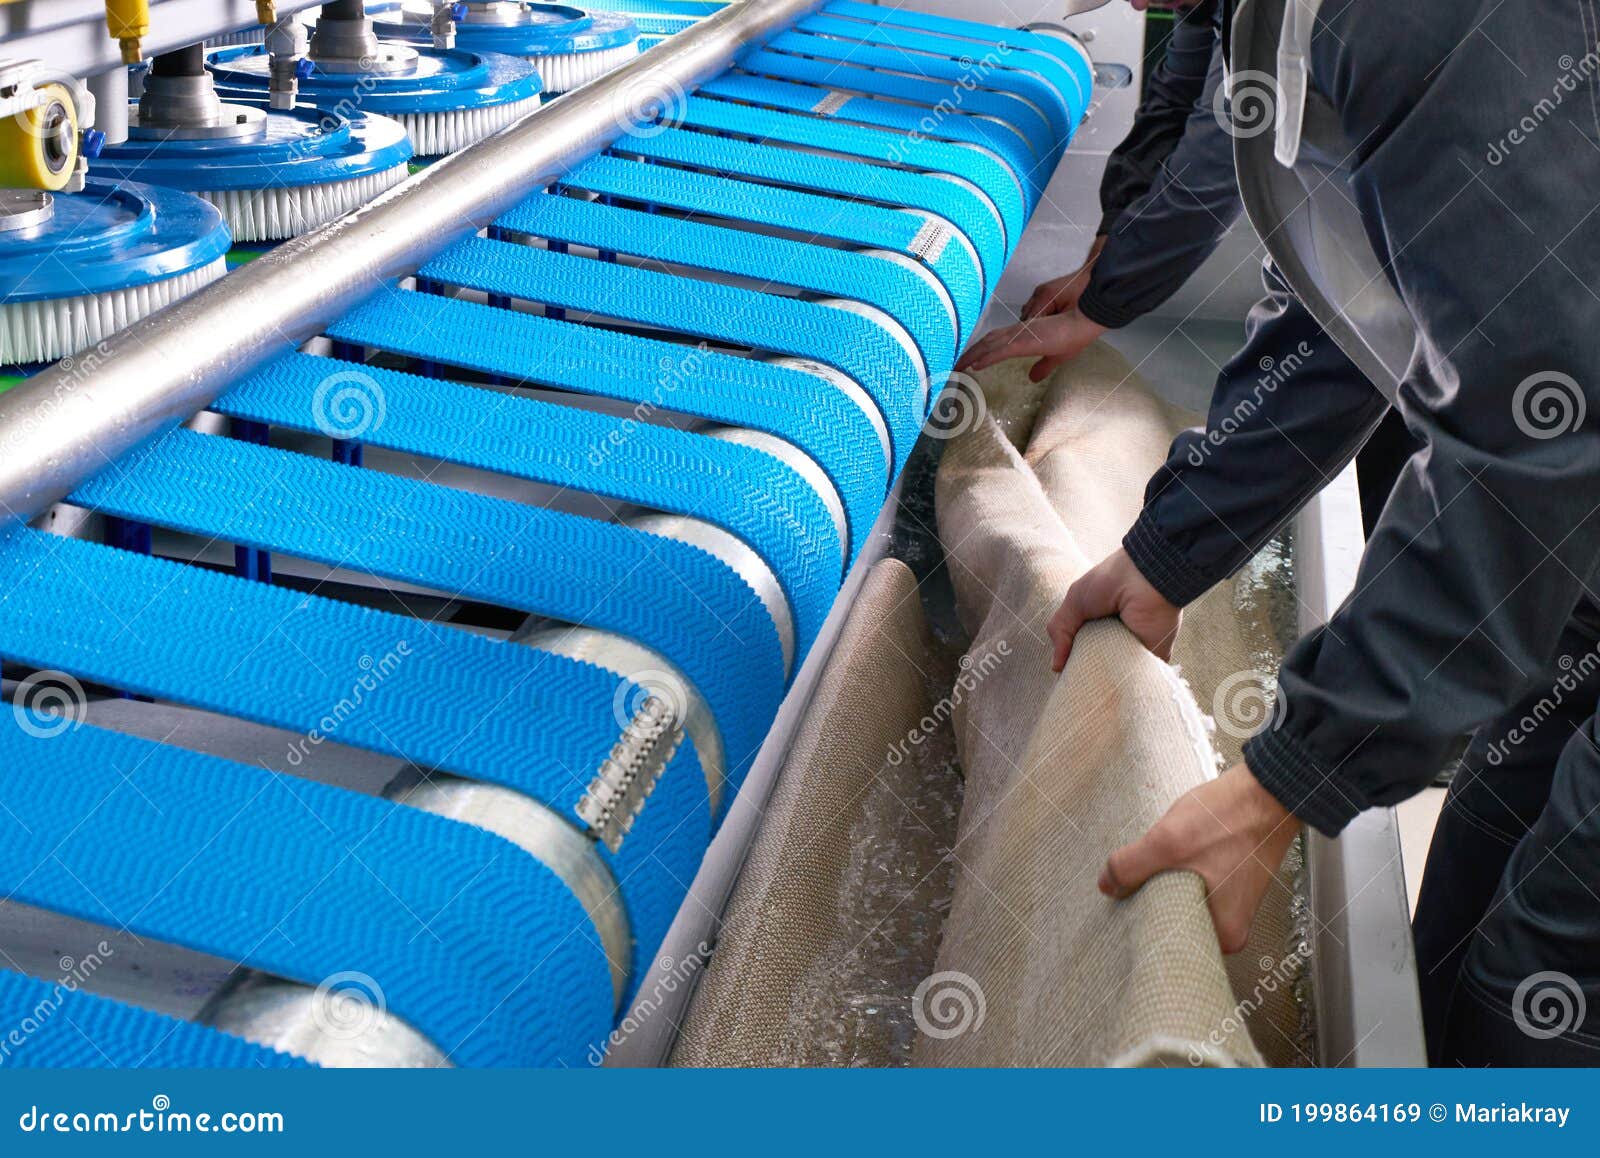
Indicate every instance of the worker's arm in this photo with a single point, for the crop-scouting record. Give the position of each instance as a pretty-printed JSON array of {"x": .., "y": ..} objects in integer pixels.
[
  {"x": 1491, "y": 539},
  {"x": 1159, "y": 238},
  {"x": 1177, "y": 214},
  {"x": 1288, "y": 412},
  {"x": 1171, "y": 91}
]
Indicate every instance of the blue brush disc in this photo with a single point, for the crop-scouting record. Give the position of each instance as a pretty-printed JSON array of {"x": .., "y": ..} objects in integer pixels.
[
  {"x": 442, "y": 81},
  {"x": 296, "y": 148},
  {"x": 112, "y": 236},
  {"x": 544, "y": 30}
]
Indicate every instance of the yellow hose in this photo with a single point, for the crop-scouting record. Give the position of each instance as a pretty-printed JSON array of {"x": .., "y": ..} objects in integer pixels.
[
  {"x": 129, "y": 22},
  {"x": 39, "y": 148}
]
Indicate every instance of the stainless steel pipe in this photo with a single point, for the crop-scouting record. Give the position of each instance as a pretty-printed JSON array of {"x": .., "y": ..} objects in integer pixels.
[{"x": 69, "y": 421}]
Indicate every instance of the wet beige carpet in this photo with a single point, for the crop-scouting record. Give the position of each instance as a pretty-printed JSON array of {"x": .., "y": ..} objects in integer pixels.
[{"x": 1061, "y": 771}]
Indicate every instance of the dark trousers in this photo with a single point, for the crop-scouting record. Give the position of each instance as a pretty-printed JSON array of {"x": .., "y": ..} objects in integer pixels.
[{"x": 1508, "y": 922}]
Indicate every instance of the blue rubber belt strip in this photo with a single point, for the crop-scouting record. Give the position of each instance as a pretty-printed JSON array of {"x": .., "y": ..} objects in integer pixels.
[
  {"x": 651, "y": 374},
  {"x": 661, "y": 27},
  {"x": 679, "y": 600},
  {"x": 830, "y": 175},
  {"x": 806, "y": 214},
  {"x": 900, "y": 133},
  {"x": 950, "y": 27},
  {"x": 470, "y": 941},
  {"x": 943, "y": 112},
  {"x": 61, "y": 1028},
  {"x": 848, "y": 342},
  {"x": 743, "y": 490},
  {"x": 537, "y": 723},
  {"x": 1034, "y": 91},
  {"x": 773, "y": 260},
  {"x": 1073, "y": 85},
  {"x": 1002, "y": 186},
  {"x": 697, "y": 9}
]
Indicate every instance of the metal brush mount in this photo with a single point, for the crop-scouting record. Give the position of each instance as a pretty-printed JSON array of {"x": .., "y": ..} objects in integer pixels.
[
  {"x": 25, "y": 209},
  {"x": 179, "y": 102},
  {"x": 343, "y": 40}
]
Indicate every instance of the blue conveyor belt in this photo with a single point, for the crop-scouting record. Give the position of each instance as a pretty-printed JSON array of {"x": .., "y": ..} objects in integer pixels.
[
  {"x": 537, "y": 723},
  {"x": 1041, "y": 56},
  {"x": 914, "y": 98},
  {"x": 641, "y": 319},
  {"x": 653, "y": 376},
  {"x": 770, "y": 260},
  {"x": 988, "y": 119},
  {"x": 989, "y": 181},
  {"x": 456, "y": 930},
  {"x": 845, "y": 341},
  {"x": 804, "y": 214},
  {"x": 687, "y": 605},
  {"x": 57, "y": 1025},
  {"x": 832, "y": 176},
  {"x": 948, "y": 71}
]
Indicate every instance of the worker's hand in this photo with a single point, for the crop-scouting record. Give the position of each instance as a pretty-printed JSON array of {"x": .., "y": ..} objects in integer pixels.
[
  {"x": 1052, "y": 340},
  {"x": 1231, "y": 831},
  {"x": 1061, "y": 294},
  {"x": 1115, "y": 587}
]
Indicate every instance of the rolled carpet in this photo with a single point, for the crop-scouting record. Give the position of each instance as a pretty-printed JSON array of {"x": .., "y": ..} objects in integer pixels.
[{"x": 1059, "y": 772}]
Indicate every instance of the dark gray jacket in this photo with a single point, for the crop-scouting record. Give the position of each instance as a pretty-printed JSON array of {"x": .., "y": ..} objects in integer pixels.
[
  {"x": 1168, "y": 194},
  {"x": 1490, "y": 541}
]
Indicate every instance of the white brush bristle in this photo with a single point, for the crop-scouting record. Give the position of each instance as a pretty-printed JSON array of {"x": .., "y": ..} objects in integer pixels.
[
  {"x": 279, "y": 214},
  {"x": 565, "y": 71},
  {"x": 438, "y": 134},
  {"x": 48, "y": 330}
]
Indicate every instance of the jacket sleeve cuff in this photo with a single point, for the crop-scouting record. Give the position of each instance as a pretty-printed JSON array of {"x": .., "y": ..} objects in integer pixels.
[
  {"x": 1168, "y": 569},
  {"x": 1094, "y": 306},
  {"x": 1287, "y": 770}
]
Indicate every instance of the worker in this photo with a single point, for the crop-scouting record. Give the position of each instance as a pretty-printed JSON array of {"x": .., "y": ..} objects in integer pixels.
[{"x": 1473, "y": 609}]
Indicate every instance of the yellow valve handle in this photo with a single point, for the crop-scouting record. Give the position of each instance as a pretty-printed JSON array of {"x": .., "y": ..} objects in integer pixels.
[
  {"x": 129, "y": 22},
  {"x": 39, "y": 148}
]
